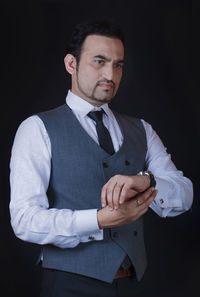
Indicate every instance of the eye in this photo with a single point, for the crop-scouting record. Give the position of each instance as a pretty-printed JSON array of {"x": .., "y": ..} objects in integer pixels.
[
  {"x": 119, "y": 65},
  {"x": 99, "y": 62}
]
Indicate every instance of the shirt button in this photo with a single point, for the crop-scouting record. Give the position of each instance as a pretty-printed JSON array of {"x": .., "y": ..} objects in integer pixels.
[
  {"x": 161, "y": 201},
  {"x": 91, "y": 238},
  {"x": 115, "y": 234},
  {"x": 105, "y": 165}
]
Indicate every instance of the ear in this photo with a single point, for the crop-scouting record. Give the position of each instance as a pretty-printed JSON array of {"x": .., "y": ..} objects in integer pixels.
[{"x": 70, "y": 63}]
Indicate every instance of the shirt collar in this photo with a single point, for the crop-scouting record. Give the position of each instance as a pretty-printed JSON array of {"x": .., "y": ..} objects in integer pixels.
[{"x": 82, "y": 107}]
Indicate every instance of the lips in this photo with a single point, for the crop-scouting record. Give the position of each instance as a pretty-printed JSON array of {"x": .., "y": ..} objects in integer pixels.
[{"x": 106, "y": 86}]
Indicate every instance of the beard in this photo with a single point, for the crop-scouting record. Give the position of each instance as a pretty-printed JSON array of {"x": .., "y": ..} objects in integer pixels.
[{"x": 97, "y": 96}]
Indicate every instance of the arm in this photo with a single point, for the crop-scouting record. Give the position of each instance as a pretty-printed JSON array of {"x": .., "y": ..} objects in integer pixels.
[
  {"x": 175, "y": 191},
  {"x": 31, "y": 217}
]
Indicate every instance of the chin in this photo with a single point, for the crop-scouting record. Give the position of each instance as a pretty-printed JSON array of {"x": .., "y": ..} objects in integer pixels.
[{"x": 103, "y": 100}]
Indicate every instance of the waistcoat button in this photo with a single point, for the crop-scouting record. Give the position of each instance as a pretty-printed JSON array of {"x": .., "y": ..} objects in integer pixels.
[
  {"x": 135, "y": 233},
  {"x": 105, "y": 165},
  {"x": 115, "y": 234},
  {"x": 127, "y": 162}
]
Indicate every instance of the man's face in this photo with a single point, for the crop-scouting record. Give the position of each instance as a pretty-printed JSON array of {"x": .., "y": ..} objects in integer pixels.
[{"x": 98, "y": 75}]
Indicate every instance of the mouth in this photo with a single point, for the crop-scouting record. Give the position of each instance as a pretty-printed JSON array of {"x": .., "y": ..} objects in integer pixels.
[{"x": 107, "y": 86}]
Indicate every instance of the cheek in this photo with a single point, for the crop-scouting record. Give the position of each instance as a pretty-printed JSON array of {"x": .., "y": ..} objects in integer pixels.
[
  {"x": 89, "y": 77},
  {"x": 118, "y": 78}
]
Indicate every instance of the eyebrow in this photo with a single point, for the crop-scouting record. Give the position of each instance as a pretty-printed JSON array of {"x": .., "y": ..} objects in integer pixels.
[{"x": 108, "y": 60}]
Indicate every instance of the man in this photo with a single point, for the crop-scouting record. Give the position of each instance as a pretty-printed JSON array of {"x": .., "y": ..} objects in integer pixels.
[{"x": 83, "y": 176}]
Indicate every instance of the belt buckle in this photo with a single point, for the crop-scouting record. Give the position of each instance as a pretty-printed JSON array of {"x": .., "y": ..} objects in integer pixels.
[{"x": 122, "y": 272}]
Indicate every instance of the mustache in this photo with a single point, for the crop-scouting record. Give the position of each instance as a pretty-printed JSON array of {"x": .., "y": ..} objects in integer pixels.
[{"x": 106, "y": 81}]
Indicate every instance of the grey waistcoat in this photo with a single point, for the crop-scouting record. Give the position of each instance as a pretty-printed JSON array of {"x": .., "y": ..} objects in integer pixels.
[{"x": 79, "y": 170}]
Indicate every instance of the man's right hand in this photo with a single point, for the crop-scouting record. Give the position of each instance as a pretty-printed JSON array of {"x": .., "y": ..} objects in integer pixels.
[{"x": 127, "y": 212}]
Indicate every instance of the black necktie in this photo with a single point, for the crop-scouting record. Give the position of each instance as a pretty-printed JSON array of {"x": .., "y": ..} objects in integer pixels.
[{"x": 104, "y": 137}]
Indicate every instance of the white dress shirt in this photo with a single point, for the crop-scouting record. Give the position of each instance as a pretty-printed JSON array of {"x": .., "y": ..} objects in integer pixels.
[{"x": 31, "y": 217}]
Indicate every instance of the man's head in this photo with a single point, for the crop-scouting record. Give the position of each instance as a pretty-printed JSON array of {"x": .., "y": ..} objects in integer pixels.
[{"x": 95, "y": 60}]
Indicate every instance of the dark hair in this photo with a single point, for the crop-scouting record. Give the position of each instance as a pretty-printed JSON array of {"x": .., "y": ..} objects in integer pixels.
[{"x": 103, "y": 27}]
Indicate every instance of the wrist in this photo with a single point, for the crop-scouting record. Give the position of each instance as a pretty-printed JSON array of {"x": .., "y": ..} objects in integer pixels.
[
  {"x": 106, "y": 218},
  {"x": 149, "y": 174},
  {"x": 99, "y": 218}
]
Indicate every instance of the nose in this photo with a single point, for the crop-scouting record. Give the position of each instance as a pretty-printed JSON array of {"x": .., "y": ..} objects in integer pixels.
[{"x": 108, "y": 72}]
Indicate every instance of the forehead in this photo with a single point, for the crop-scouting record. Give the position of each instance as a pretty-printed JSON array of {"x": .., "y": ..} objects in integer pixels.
[{"x": 102, "y": 45}]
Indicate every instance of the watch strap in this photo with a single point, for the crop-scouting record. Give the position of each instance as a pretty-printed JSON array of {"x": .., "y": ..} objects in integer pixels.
[{"x": 151, "y": 177}]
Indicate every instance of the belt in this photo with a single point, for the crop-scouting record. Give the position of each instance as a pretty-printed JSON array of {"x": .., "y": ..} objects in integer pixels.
[{"x": 122, "y": 272}]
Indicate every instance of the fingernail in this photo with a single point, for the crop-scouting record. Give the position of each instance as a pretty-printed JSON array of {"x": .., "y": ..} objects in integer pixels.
[
  {"x": 120, "y": 201},
  {"x": 110, "y": 208},
  {"x": 103, "y": 205},
  {"x": 116, "y": 207}
]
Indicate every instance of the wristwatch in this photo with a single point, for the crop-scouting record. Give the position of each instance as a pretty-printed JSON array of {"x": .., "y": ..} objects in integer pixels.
[{"x": 151, "y": 177}]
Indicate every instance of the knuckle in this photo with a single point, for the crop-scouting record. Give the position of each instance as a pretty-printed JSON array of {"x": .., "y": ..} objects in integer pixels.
[
  {"x": 117, "y": 176},
  {"x": 109, "y": 190},
  {"x": 131, "y": 179},
  {"x": 118, "y": 187},
  {"x": 104, "y": 188}
]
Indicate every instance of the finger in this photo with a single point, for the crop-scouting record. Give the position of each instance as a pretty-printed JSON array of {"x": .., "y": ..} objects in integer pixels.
[
  {"x": 139, "y": 200},
  {"x": 107, "y": 190},
  {"x": 109, "y": 193},
  {"x": 149, "y": 197},
  {"x": 103, "y": 196},
  {"x": 145, "y": 195},
  {"x": 126, "y": 193},
  {"x": 149, "y": 200},
  {"x": 116, "y": 195},
  {"x": 148, "y": 192}
]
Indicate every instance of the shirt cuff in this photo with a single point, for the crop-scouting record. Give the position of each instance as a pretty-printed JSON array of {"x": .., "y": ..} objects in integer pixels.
[
  {"x": 86, "y": 225},
  {"x": 164, "y": 201}
]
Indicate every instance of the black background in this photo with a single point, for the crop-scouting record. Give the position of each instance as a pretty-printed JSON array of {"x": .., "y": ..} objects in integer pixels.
[{"x": 157, "y": 85}]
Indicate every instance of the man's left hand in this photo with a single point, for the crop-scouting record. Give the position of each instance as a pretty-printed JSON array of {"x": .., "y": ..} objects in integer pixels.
[{"x": 121, "y": 188}]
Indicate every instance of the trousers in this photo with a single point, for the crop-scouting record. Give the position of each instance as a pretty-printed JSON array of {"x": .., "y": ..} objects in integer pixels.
[{"x": 57, "y": 283}]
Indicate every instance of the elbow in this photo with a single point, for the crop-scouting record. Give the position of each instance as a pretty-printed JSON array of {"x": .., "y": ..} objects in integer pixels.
[
  {"x": 18, "y": 223},
  {"x": 189, "y": 197},
  {"x": 17, "y": 229}
]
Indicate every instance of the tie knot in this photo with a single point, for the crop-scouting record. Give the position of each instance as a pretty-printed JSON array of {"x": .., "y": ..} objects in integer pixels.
[{"x": 96, "y": 115}]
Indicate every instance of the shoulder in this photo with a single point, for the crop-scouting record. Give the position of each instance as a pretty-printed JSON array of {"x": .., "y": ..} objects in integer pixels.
[
  {"x": 125, "y": 117},
  {"x": 30, "y": 124},
  {"x": 53, "y": 113},
  {"x": 130, "y": 120},
  {"x": 31, "y": 137},
  {"x": 30, "y": 130}
]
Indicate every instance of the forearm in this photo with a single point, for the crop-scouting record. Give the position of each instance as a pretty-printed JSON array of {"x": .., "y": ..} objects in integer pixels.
[
  {"x": 175, "y": 192},
  {"x": 61, "y": 227},
  {"x": 31, "y": 217}
]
